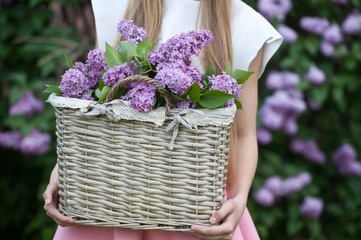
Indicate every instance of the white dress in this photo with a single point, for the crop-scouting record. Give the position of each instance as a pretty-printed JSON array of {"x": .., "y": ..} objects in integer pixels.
[{"x": 250, "y": 32}]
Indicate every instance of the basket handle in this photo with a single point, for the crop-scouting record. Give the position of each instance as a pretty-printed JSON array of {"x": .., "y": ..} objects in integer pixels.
[{"x": 140, "y": 78}]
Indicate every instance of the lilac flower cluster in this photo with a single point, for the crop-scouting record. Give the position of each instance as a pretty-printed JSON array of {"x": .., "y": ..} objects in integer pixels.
[
  {"x": 96, "y": 64},
  {"x": 141, "y": 96},
  {"x": 315, "y": 75},
  {"x": 282, "y": 80},
  {"x": 275, "y": 188},
  {"x": 281, "y": 110},
  {"x": 352, "y": 24},
  {"x": 272, "y": 9},
  {"x": 27, "y": 105},
  {"x": 345, "y": 160},
  {"x": 225, "y": 83},
  {"x": 181, "y": 48},
  {"x": 119, "y": 72},
  {"x": 315, "y": 25},
  {"x": 340, "y": 1},
  {"x": 37, "y": 143},
  {"x": 131, "y": 32},
  {"x": 74, "y": 84},
  {"x": 309, "y": 150},
  {"x": 289, "y": 35},
  {"x": 311, "y": 207},
  {"x": 174, "y": 79},
  {"x": 264, "y": 136}
]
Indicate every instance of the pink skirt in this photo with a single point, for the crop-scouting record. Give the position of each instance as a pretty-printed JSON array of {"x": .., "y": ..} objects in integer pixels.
[{"x": 245, "y": 231}]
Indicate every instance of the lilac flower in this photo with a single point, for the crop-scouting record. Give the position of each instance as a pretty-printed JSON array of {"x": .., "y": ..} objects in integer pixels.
[
  {"x": 305, "y": 178},
  {"x": 333, "y": 34},
  {"x": 271, "y": 119},
  {"x": 352, "y": 24},
  {"x": 181, "y": 47},
  {"x": 131, "y": 33},
  {"x": 174, "y": 79},
  {"x": 345, "y": 160},
  {"x": 346, "y": 151},
  {"x": 119, "y": 72},
  {"x": 264, "y": 197},
  {"x": 339, "y": 1},
  {"x": 315, "y": 75},
  {"x": 264, "y": 136},
  {"x": 290, "y": 126},
  {"x": 308, "y": 149},
  {"x": 227, "y": 84},
  {"x": 282, "y": 80},
  {"x": 289, "y": 35},
  {"x": 27, "y": 105},
  {"x": 295, "y": 184},
  {"x": 313, "y": 105},
  {"x": 327, "y": 49},
  {"x": 74, "y": 84},
  {"x": 271, "y": 9},
  {"x": 274, "y": 185},
  {"x": 185, "y": 104},
  {"x": 37, "y": 143},
  {"x": 96, "y": 64},
  {"x": 311, "y": 207},
  {"x": 141, "y": 96},
  {"x": 315, "y": 25},
  {"x": 10, "y": 140}
]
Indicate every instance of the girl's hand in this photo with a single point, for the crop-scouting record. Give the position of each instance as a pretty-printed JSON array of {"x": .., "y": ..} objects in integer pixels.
[
  {"x": 51, "y": 202},
  {"x": 225, "y": 222}
]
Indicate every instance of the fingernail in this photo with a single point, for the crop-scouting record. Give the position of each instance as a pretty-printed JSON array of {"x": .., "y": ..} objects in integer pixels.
[
  {"x": 47, "y": 201},
  {"x": 193, "y": 228},
  {"x": 213, "y": 220}
]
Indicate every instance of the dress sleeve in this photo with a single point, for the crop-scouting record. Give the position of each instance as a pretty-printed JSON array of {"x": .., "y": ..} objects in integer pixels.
[
  {"x": 106, "y": 15},
  {"x": 251, "y": 31}
]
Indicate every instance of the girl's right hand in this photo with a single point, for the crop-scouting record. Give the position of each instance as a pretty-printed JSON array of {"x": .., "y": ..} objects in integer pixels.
[{"x": 51, "y": 201}]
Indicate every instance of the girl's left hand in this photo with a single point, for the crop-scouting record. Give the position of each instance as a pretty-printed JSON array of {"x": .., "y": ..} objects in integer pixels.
[{"x": 228, "y": 217}]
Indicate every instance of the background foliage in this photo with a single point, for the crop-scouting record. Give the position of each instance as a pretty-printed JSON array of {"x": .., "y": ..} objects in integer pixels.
[{"x": 34, "y": 36}]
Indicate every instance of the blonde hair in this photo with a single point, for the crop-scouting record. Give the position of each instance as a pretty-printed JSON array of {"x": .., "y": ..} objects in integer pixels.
[{"x": 215, "y": 16}]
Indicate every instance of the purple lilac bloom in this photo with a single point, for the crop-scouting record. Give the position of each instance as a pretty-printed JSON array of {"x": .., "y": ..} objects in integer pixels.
[
  {"x": 295, "y": 184},
  {"x": 289, "y": 35},
  {"x": 282, "y": 80},
  {"x": 264, "y": 197},
  {"x": 271, "y": 119},
  {"x": 339, "y": 1},
  {"x": 181, "y": 47},
  {"x": 290, "y": 126},
  {"x": 311, "y": 207},
  {"x": 95, "y": 64},
  {"x": 272, "y": 9},
  {"x": 333, "y": 34},
  {"x": 10, "y": 140},
  {"x": 119, "y": 72},
  {"x": 315, "y": 75},
  {"x": 327, "y": 49},
  {"x": 74, "y": 84},
  {"x": 308, "y": 149},
  {"x": 274, "y": 185},
  {"x": 27, "y": 105},
  {"x": 185, "y": 104},
  {"x": 264, "y": 137},
  {"x": 141, "y": 96},
  {"x": 37, "y": 143},
  {"x": 225, "y": 83},
  {"x": 315, "y": 25},
  {"x": 174, "y": 79},
  {"x": 345, "y": 160},
  {"x": 313, "y": 105},
  {"x": 131, "y": 33},
  {"x": 352, "y": 24}
]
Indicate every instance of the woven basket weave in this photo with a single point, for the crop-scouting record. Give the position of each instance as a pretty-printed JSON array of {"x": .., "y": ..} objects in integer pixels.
[{"x": 122, "y": 174}]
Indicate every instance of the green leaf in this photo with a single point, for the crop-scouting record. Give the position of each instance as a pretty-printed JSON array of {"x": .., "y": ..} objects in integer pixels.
[
  {"x": 52, "y": 89},
  {"x": 127, "y": 51},
  {"x": 229, "y": 68},
  {"x": 98, "y": 93},
  {"x": 112, "y": 56},
  {"x": 68, "y": 61},
  {"x": 194, "y": 92},
  {"x": 241, "y": 76},
  {"x": 104, "y": 93},
  {"x": 238, "y": 104},
  {"x": 214, "y": 99},
  {"x": 144, "y": 47}
]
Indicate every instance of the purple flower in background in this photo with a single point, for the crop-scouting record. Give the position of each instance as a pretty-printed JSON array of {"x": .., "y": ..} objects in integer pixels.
[
  {"x": 141, "y": 96},
  {"x": 308, "y": 149},
  {"x": 264, "y": 197},
  {"x": 174, "y": 79},
  {"x": 264, "y": 136},
  {"x": 74, "y": 84},
  {"x": 315, "y": 75},
  {"x": 131, "y": 33},
  {"x": 313, "y": 105},
  {"x": 10, "y": 140},
  {"x": 292, "y": 185},
  {"x": 311, "y": 207},
  {"x": 333, "y": 34},
  {"x": 272, "y": 9},
  {"x": 282, "y": 80},
  {"x": 37, "y": 143},
  {"x": 119, "y": 72},
  {"x": 181, "y": 47},
  {"x": 327, "y": 49},
  {"x": 339, "y": 1},
  {"x": 27, "y": 105},
  {"x": 352, "y": 24},
  {"x": 290, "y": 126},
  {"x": 345, "y": 160},
  {"x": 315, "y": 25},
  {"x": 96, "y": 64},
  {"x": 274, "y": 185},
  {"x": 289, "y": 35},
  {"x": 225, "y": 83},
  {"x": 185, "y": 104}
]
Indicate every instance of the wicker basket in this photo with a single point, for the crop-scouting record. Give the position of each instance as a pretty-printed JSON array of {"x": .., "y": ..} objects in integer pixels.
[{"x": 123, "y": 174}]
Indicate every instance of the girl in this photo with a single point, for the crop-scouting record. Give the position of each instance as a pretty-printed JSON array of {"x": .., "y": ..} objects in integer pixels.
[{"x": 241, "y": 36}]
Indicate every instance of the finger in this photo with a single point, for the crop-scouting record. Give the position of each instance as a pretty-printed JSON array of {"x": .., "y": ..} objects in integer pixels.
[
  {"x": 226, "y": 208},
  {"x": 54, "y": 213},
  {"x": 218, "y": 230},
  {"x": 48, "y": 194}
]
